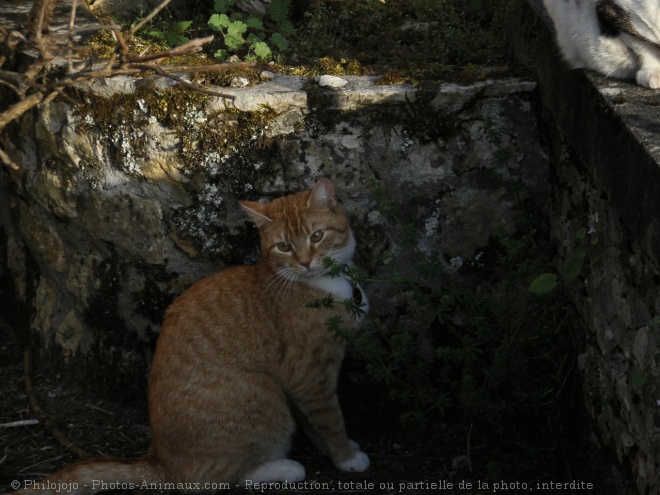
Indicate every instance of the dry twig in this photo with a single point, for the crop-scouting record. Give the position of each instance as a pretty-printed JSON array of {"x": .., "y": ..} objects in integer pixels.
[
  {"x": 31, "y": 90},
  {"x": 25, "y": 422}
]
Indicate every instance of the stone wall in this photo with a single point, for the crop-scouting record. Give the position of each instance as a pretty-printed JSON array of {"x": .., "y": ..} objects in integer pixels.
[
  {"x": 605, "y": 204},
  {"x": 126, "y": 198}
]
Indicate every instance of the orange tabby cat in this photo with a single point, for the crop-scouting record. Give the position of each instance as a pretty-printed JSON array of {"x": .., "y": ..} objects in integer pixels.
[{"x": 239, "y": 354}]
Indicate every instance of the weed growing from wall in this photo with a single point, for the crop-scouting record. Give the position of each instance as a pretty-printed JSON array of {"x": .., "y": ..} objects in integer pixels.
[{"x": 489, "y": 353}]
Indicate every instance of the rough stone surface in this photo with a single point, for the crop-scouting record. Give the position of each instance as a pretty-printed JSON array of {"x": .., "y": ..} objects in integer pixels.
[
  {"x": 334, "y": 82},
  {"x": 603, "y": 136},
  {"x": 123, "y": 202}
]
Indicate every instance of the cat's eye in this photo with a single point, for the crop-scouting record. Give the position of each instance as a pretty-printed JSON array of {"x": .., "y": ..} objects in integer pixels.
[
  {"x": 317, "y": 236},
  {"x": 285, "y": 247}
]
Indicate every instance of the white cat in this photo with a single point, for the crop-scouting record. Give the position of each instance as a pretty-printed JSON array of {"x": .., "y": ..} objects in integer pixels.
[{"x": 617, "y": 38}]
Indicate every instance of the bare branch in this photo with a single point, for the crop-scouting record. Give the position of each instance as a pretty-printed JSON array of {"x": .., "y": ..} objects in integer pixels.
[
  {"x": 7, "y": 75},
  {"x": 193, "y": 46},
  {"x": 95, "y": 27},
  {"x": 32, "y": 90},
  {"x": 25, "y": 422},
  {"x": 72, "y": 21},
  {"x": 39, "y": 20},
  {"x": 122, "y": 47},
  {"x": 18, "y": 109},
  {"x": 159, "y": 70},
  {"x": 8, "y": 161},
  {"x": 153, "y": 14},
  {"x": 207, "y": 68}
]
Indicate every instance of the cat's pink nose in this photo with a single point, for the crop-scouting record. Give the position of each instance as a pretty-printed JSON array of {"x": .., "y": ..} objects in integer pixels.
[{"x": 305, "y": 263}]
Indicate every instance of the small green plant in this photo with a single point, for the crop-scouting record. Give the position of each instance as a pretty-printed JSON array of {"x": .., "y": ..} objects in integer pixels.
[
  {"x": 252, "y": 36},
  {"x": 493, "y": 358},
  {"x": 174, "y": 35},
  {"x": 570, "y": 268}
]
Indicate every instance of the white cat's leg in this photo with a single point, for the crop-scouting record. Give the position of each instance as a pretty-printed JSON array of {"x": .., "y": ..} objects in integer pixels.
[
  {"x": 648, "y": 73},
  {"x": 278, "y": 470},
  {"x": 357, "y": 463},
  {"x": 649, "y": 78}
]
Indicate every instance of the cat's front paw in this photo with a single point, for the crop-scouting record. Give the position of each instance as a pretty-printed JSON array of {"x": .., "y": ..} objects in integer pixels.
[
  {"x": 357, "y": 463},
  {"x": 354, "y": 445},
  {"x": 649, "y": 78},
  {"x": 277, "y": 470}
]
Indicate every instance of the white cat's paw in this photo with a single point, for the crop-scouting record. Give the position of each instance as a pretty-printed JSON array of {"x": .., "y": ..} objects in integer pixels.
[
  {"x": 649, "y": 78},
  {"x": 354, "y": 445},
  {"x": 278, "y": 470},
  {"x": 356, "y": 464}
]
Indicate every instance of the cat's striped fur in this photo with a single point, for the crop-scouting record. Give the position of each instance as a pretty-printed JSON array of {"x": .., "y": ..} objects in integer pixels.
[{"x": 240, "y": 354}]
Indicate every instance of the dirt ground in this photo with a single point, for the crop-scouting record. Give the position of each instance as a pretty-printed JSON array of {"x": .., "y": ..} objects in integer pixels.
[{"x": 403, "y": 461}]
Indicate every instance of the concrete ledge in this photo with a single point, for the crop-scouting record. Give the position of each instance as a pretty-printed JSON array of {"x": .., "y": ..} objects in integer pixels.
[{"x": 613, "y": 126}]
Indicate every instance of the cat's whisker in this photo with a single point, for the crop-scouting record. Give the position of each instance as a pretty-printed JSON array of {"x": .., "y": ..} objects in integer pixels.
[
  {"x": 276, "y": 281},
  {"x": 290, "y": 282},
  {"x": 280, "y": 284}
]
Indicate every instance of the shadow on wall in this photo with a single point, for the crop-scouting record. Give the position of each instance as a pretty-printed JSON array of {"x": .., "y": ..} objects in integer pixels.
[
  {"x": 122, "y": 202},
  {"x": 603, "y": 143}
]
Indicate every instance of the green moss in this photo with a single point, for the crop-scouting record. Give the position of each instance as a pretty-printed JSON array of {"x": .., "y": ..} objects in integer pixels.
[
  {"x": 225, "y": 77},
  {"x": 183, "y": 111},
  {"x": 410, "y": 40},
  {"x": 103, "y": 44},
  {"x": 326, "y": 65},
  {"x": 407, "y": 40},
  {"x": 417, "y": 117}
]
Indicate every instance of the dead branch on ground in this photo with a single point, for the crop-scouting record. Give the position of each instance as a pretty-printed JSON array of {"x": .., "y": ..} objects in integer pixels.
[{"x": 30, "y": 86}]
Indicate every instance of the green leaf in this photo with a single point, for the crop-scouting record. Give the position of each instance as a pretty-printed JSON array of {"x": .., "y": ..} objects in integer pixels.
[
  {"x": 237, "y": 28},
  {"x": 279, "y": 41},
  {"x": 543, "y": 284},
  {"x": 234, "y": 37},
  {"x": 174, "y": 39},
  {"x": 279, "y": 10},
  {"x": 219, "y": 21},
  {"x": 221, "y": 6},
  {"x": 286, "y": 28},
  {"x": 254, "y": 23},
  {"x": 581, "y": 233},
  {"x": 221, "y": 55},
  {"x": 233, "y": 43},
  {"x": 572, "y": 265},
  {"x": 180, "y": 27},
  {"x": 253, "y": 39},
  {"x": 157, "y": 34}
]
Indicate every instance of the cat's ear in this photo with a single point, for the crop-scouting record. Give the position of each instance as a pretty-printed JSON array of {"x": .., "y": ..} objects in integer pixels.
[
  {"x": 257, "y": 212},
  {"x": 322, "y": 196}
]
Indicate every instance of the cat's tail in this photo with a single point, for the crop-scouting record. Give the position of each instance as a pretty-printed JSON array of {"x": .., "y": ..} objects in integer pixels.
[{"x": 95, "y": 475}]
